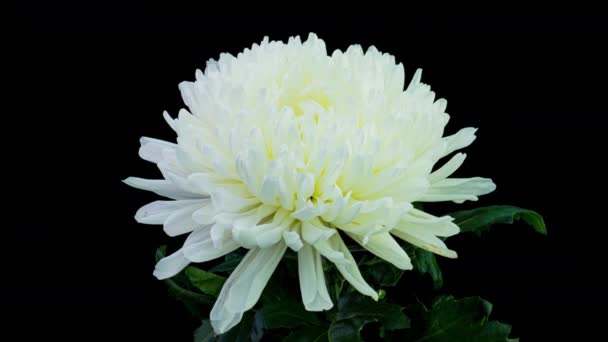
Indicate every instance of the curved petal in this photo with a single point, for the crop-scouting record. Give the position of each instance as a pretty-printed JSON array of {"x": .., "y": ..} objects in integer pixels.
[
  {"x": 307, "y": 212},
  {"x": 415, "y": 81},
  {"x": 206, "y": 214},
  {"x": 152, "y": 149},
  {"x": 158, "y": 211},
  {"x": 314, "y": 230},
  {"x": 448, "y": 168},
  {"x": 418, "y": 236},
  {"x": 376, "y": 216},
  {"x": 200, "y": 182},
  {"x": 250, "y": 168},
  {"x": 438, "y": 226},
  {"x": 188, "y": 93},
  {"x": 244, "y": 286},
  {"x": 333, "y": 247},
  {"x": 460, "y": 139},
  {"x": 293, "y": 241},
  {"x": 327, "y": 250},
  {"x": 170, "y": 121},
  {"x": 234, "y": 199},
  {"x": 458, "y": 189},
  {"x": 180, "y": 221},
  {"x": 161, "y": 187},
  {"x": 385, "y": 247},
  {"x": 351, "y": 210},
  {"x": 410, "y": 189},
  {"x": 263, "y": 235},
  {"x": 170, "y": 265},
  {"x": 199, "y": 246},
  {"x": 312, "y": 280}
]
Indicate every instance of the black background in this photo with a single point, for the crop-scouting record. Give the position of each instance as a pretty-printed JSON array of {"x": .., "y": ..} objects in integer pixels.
[{"x": 87, "y": 86}]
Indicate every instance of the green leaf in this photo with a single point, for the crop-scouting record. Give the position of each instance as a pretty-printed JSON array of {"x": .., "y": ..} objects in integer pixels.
[
  {"x": 496, "y": 331},
  {"x": 480, "y": 219},
  {"x": 180, "y": 287},
  {"x": 204, "y": 333},
  {"x": 257, "y": 327},
  {"x": 206, "y": 282},
  {"x": 287, "y": 314},
  {"x": 249, "y": 329},
  {"x": 335, "y": 280},
  {"x": 161, "y": 252},
  {"x": 281, "y": 285},
  {"x": 357, "y": 305},
  {"x": 231, "y": 261},
  {"x": 308, "y": 334},
  {"x": 187, "y": 296},
  {"x": 348, "y": 330},
  {"x": 355, "y": 311},
  {"x": 380, "y": 272},
  {"x": 464, "y": 319},
  {"x": 426, "y": 263}
]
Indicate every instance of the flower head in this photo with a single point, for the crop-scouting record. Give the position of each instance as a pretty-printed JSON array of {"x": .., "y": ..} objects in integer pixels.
[{"x": 285, "y": 146}]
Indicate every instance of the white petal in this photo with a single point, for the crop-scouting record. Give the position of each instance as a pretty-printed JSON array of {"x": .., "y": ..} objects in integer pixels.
[
  {"x": 415, "y": 81},
  {"x": 152, "y": 149},
  {"x": 419, "y": 216},
  {"x": 351, "y": 211},
  {"x": 269, "y": 190},
  {"x": 448, "y": 168},
  {"x": 306, "y": 185},
  {"x": 224, "y": 320},
  {"x": 199, "y": 246},
  {"x": 458, "y": 189},
  {"x": 158, "y": 211},
  {"x": 314, "y": 230},
  {"x": 377, "y": 216},
  {"x": 219, "y": 233},
  {"x": 200, "y": 182},
  {"x": 331, "y": 249},
  {"x": 188, "y": 91},
  {"x": 272, "y": 236},
  {"x": 385, "y": 247},
  {"x": 460, "y": 139},
  {"x": 161, "y": 187},
  {"x": 410, "y": 189},
  {"x": 327, "y": 250},
  {"x": 338, "y": 203},
  {"x": 169, "y": 162},
  {"x": 252, "y": 217},
  {"x": 263, "y": 235},
  {"x": 180, "y": 221},
  {"x": 438, "y": 226},
  {"x": 306, "y": 213},
  {"x": 170, "y": 265},
  {"x": 243, "y": 288},
  {"x": 250, "y": 166},
  {"x": 180, "y": 180},
  {"x": 206, "y": 214},
  {"x": 419, "y": 237},
  {"x": 230, "y": 200},
  {"x": 312, "y": 280},
  {"x": 169, "y": 120},
  {"x": 293, "y": 241},
  {"x": 187, "y": 158}
]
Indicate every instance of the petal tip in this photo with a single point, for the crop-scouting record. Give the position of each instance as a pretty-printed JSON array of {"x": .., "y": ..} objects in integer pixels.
[
  {"x": 451, "y": 254},
  {"x": 406, "y": 266}
]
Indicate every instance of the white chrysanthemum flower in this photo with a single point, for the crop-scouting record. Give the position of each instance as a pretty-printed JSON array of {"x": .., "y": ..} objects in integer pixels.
[{"x": 287, "y": 147}]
